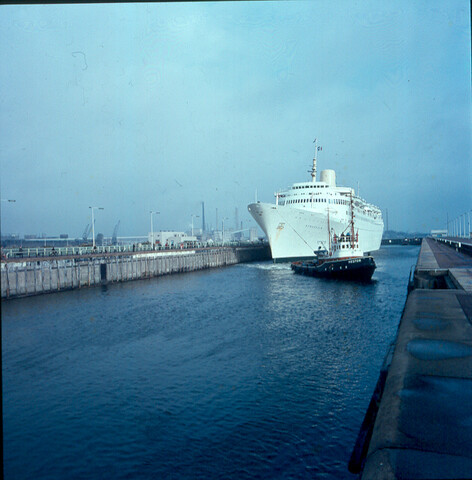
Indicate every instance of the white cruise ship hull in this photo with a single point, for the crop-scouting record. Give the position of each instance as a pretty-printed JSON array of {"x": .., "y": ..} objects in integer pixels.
[{"x": 296, "y": 233}]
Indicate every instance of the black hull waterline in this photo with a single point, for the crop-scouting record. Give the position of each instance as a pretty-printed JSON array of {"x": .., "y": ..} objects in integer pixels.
[{"x": 344, "y": 269}]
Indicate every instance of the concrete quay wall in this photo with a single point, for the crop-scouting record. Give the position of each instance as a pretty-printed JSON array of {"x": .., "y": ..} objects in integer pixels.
[{"x": 47, "y": 275}]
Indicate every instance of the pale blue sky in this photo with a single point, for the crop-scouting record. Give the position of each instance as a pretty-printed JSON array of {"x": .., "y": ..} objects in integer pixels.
[{"x": 160, "y": 106}]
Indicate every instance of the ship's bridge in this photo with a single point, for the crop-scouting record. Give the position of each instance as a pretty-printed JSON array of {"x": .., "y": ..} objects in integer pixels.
[
  {"x": 309, "y": 194},
  {"x": 313, "y": 188},
  {"x": 303, "y": 188}
]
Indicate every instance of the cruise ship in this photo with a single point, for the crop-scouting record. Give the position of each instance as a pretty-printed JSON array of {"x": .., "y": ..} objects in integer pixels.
[{"x": 303, "y": 216}]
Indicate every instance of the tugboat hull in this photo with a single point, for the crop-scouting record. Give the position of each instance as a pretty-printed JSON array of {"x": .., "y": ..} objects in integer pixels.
[{"x": 361, "y": 268}]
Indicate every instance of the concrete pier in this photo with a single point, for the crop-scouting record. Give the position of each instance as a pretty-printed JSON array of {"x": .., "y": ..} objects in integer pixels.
[
  {"x": 35, "y": 276},
  {"x": 419, "y": 422}
]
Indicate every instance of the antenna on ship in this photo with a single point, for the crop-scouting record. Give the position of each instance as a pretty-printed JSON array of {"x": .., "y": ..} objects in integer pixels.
[{"x": 313, "y": 170}]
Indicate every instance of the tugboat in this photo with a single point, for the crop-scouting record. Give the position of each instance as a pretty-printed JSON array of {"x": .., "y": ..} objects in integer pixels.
[{"x": 343, "y": 260}]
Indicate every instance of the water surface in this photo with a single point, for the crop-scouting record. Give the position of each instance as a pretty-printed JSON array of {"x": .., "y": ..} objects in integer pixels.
[{"x": 241, "y": 372}]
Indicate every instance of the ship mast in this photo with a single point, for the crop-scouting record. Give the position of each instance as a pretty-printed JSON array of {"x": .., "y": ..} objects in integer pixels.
[{"x": 313, "y": 170}]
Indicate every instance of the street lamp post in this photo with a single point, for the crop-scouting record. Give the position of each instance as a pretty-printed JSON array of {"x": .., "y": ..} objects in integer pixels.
[
  {"x": 152, "y": 229},
  {"x": 93, "y": 224},
  {"x": 194, "y": 216}
]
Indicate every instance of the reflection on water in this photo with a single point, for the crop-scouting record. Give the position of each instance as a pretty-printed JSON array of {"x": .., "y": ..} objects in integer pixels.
[{"x": 241, "y": 372}]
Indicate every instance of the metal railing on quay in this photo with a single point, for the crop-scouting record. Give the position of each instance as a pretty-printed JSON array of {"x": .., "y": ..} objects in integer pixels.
[{"x": 37, "y": 252}]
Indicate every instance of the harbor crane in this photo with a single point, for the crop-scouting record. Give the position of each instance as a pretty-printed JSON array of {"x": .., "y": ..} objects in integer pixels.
[
  {"x": 86, "y": 232},
  {"x": 114, "y": 240}
]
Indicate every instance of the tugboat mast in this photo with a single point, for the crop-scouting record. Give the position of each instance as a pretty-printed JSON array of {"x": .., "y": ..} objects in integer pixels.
[
  {"x": 329, "y": 236},
  {"x": 352, "y": 222}
]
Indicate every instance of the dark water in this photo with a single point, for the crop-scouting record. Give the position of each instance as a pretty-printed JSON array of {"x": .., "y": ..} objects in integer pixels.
[{"x": 242, "y": 372}]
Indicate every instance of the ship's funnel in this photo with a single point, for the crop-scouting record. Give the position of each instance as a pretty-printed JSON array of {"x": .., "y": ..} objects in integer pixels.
[{"x": 329, "y": 177}]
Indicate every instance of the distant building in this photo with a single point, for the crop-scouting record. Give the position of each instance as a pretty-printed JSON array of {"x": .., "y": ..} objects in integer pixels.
[
  {"x": 171, "y": 238},
  {"x": 253, "y": 234},
  {"x": 197, "y": 232},
  {"x": 217, "y": 235},
  {"x": 438, "y": 233}
]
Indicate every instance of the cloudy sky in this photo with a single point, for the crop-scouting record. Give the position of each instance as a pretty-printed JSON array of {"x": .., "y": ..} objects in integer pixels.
[{"x": 142, "y": 107}]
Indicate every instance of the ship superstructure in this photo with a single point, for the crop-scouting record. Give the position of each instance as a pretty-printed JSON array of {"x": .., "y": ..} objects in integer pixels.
[{"x": 297, "y": 224}]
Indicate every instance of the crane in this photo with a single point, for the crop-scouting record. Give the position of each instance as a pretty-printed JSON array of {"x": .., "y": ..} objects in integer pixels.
[
  {"x": 115, "y": 233},
  {"x": 86, "y": 233}
]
